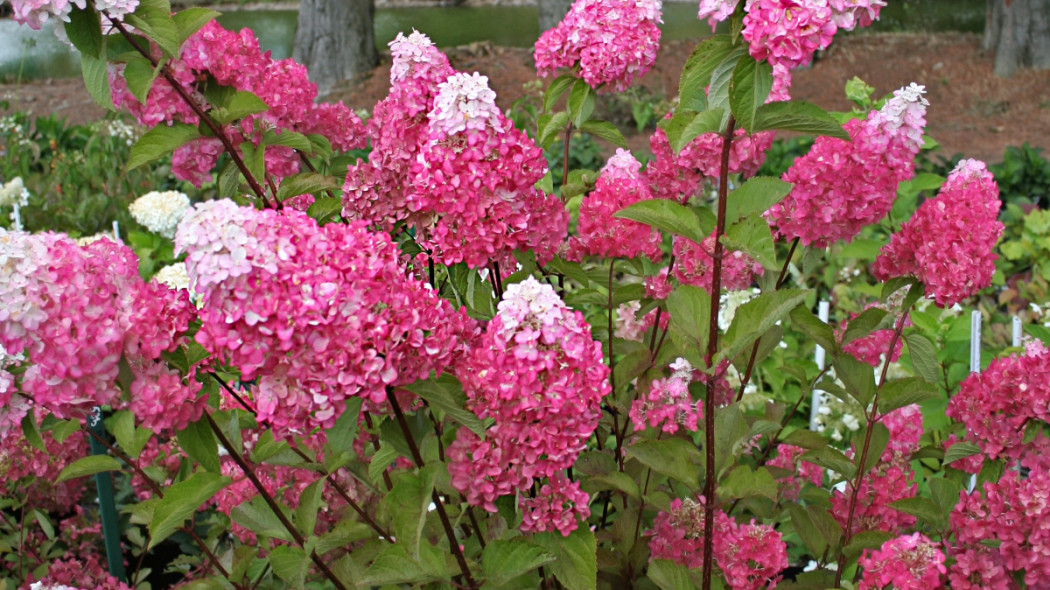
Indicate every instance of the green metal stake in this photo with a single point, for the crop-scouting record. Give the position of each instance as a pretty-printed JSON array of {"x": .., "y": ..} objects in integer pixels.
[{"x": 106, "y": 505}]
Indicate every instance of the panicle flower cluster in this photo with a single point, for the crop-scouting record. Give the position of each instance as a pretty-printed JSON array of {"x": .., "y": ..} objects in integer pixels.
[
  {"x": 694, "y": 265},
  {"x": 540, "y": 376},
  {"x": 751, "y": 556},
  {"x": 788, "y": 32},
  {"x": 872, "y": 348},
  {"x": 30, "y": 473},
  {"x": 1013, "y": 511},
  {"x": 281, "y": 298},
  {"x": 613, "y": 42},
  {"x": 14, "y": 193},
  {"x": 716, "y": 11},
  {"x": 559, "y": 505},
  {"x": 788, "y": 459},
  {"x": 600, "y": 233},
  {"x": 235, "y": 60},
  {"x": 908, "y": 562},
  {"x": 472, "y": 187},
  {"x": 83, "y": 572},
  {"x": 628, "y": 325},
  {"x": 35, "y": 13},
  {"x": 948, "y": 243},
  {"x": 375, "y": 190},
  {"x": 996, "y": 403},
  {"x": 668, "y": 403},
  {"x": 679, "y": 177},
  {"x": 852, "y": 14},
  {"x": 160, "y": 212},
  {"x": 174, "y": 276},
  {"x": 840, "y": 187},
  {"x": 75, "y": 311}
]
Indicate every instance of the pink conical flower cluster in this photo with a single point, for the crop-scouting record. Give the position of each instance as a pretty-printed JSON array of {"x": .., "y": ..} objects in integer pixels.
[
  {"x": 282, "y": 297},
  {"x": 620, "y": 185},
  {"x": 841, "y": 187},
  {"x": 948, "y": 243},
  {"x": 540, "y": 376},
  {"x": 612, "y": 42},
  {"x": 908, "y": 562}
]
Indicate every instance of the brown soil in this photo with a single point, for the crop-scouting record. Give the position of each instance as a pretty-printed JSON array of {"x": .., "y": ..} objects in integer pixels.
[{"x": 971, "y": 111}]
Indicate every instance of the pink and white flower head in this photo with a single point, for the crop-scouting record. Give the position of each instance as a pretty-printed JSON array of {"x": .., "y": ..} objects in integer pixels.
[
  {"x": 788, "y": 32},
  {"x": 851, "y": 14},
  {"x": 909, "y": 562},
  {"x": 464, "y": 102},
  {"x": 613, "y": 42},
  {"x": 412, "y": 55},
  {"x": 35, "y": 13},
  {"x": 840, "y": 187},
  {"x": 600, "y": 233},
  {"x": 948, "y": 243},
  {"x": 716, "y": 11}
]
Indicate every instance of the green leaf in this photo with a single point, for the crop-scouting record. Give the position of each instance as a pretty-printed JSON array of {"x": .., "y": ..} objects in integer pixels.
[
  {"x": 668, "y": 575},
  {"x": 748, "y": 89},
  {"x": 550, "y": 126},
  {"x": 667, "y": 216},
  {"x": 615, "y": 480},
  {"x": 342, "y": 434},
  {"x": 804, "y": 321},
  {"x": 504, "y": 560},
  {"x": 756, "y": 195},
  {"x": 959, "y": 451},
  {"x": 718, "y": 91},
  {"x": 756, "y": 317},
  {"x": 865, "y": 540},
  {"x": 96, "y": 80},
  {"x": 923, "y": 358},
  {"x": 744, "y": 483},
  {"x": 577, "y": 564},
  {"x": 673, "y": 457},
  {"x": 394, "y": 566},
  {"x": 408, "y": 502},
  {"x": 685, "y": 126},
  {"x": 257, "y": 517},
  {"x": 752, "y": 236},
  {"x": 830, "y": 458},
  {"x": 188, "y": 21},
  {"x": 922, "y": 508},
  {"x": 323, "y": 208},
  {"x": 154, "y": 21},
  {"x": 696, "y": 74},
  {"x": 556, "y": 89},
  {"x": 241, "y": 104},
  {"x": 84, "y": 30},
  {"x": 181, "y": 501},
  {"x": 290, "y": 563},
  {"x": 945, "y": 493},
  {"x": 807, "y": 439},
  {"x": 309, "y": 504},
  {"x": 880, "y": 437},
  {"x": 581, "y": 102},
  {"x": 445, "y": 393},
  {"x": 869, "y": 320},
  {"x": 305, "y": 183},
  {"x": 139, "y": 74},
  {"x": 45, "y": 523},
  {"x": 198, "y": 442},
  {"x": 383, "y": 458},
  {"x": 605, "y": 130},
  {"x": 858, "y": 378},
  {"x": 905, "y": 392},
  {"x": 32, "y": 434},
  {"x": 800, "y": 116},
  {"x": 690, "y": 309},
  {"x": 159, "y": 142},
  {"x": 296, "y": 141},
  {"x": 89, "y": 465},
  {"x": 805, "y": 527}
]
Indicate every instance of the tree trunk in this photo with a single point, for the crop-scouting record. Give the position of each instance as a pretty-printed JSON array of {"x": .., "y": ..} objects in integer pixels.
[
  {"x": 334, "y": 40},
  {"x": 551, "y": 12},
  {"x": 1019, "y": 33}
]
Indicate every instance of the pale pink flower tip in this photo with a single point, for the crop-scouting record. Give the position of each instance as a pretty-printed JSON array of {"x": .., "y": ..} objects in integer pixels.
[
  {"x": 408, "y": 52},
  {"x": 464, "y": 101}
]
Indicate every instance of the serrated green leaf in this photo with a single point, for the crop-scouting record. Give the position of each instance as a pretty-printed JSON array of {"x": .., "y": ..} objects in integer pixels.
[
  {"x": 604, "y": 130},
  {"x": 309, "y": 505},
  {"x": 181, "y": 501},
  {"x": 31, "y": 433},
  {"x": 257, "y": 517},
  {"x": 445, "y": 393},
  {"x": 292, "y": 139},
  {"x": 667, "y": 216},
  {"x": 959, "y": 451},
  {"x": 239, "y": 105},
  {"x": 741, "y": 482},
  {"x": 945, "y": 493},
  {"x": 159, "y": 142},
  {"x": 550, "y": 126},
  {"x": 45, "y": 523},
  {"x": 718, "y": 91},
  {"x": 923, "y": 357},
  {"x": 696, "y": 74},
  {"x": 324, "y": 208},
  {"x": 84, "y": 30},
  {"x": 869, "y": 320},
  {"x": 830, "y": 458},
  {"x": 690, "y": 310},
  {"x": 800, "y": 116},
  {"x": 811, "y": 535},
  {"x": 756, "y": 317},
  {"x": 922, "y": 508},
  {"x": 865, "y": 540},
  {"x": 668, "y": 575},
  {"x": 673, "y": 457},
  {"x": 577, "y": 564},
  {"x": 557, "y": 88},
  {"x": 581, "y": 102},
  {"x": 880, "y": 437},
  {"x": 748, "y": 89},
  {"x": 96, "y": 80},
  {"x": 88, "y": 465},
  {"x": 290, "y": 563},
  {"x": 615, "y": 480},
  {"x": 394, "y": 566},
  {"x": 752, "y": 236},
  {"x": 504, "y": 560},
  {"x": 858, "y": 378},
  {"x": 139, "y": 73},
  {"x": 685, "y": 126},
  {"x": 189, "y": 20},
  {"x": 198, "y": 442},
  {"x": 905, "y": 392},
  {"x": 383, "y": 458},
  {"x": 755, "y": 196},
  {"x": 807, "y": 439},
  {"x": 804, "y": 321},
  {"x": 306, "y": 183},
  {"x": 154, "y": 21}
]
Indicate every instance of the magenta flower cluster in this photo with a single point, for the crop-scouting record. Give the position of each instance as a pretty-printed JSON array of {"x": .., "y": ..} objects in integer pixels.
[
  {"x": 610, "y": 43},
  {"x": 948, "y": 243},
  {"x": 840, "y": 187},
  {"x": 539, "y": 375},
  {"x": 277, "y": 282},
  {"x": 908, "y": 562}
]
